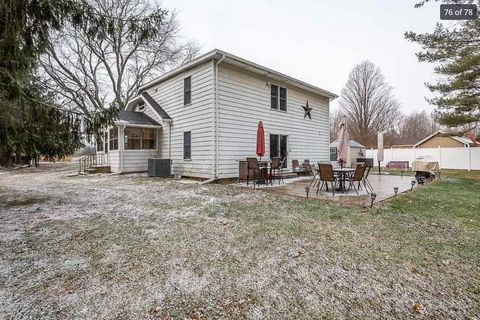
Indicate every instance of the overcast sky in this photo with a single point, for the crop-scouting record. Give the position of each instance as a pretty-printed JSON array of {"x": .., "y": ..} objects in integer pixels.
[{"x": 318, "y": 41}]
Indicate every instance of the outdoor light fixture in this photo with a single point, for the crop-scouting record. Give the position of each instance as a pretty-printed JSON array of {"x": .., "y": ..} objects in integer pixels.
[
  {"x": 413, "y": 184},
  {"x": 395, "y": 189},
  {"x": 372, "y": 196},
  {"x": 307, "y": 190}
]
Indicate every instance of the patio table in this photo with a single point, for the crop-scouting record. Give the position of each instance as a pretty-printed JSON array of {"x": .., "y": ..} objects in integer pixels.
[{"x": 343, "y": 173}]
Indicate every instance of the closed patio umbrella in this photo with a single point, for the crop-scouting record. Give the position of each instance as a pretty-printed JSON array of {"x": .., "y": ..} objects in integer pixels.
[
  {"x": 342, "y": 142},
  {"x": 260, "y": 140}
]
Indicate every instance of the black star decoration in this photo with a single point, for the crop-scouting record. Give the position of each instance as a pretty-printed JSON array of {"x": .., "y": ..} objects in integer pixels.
[{"x": 307, "y": 110}]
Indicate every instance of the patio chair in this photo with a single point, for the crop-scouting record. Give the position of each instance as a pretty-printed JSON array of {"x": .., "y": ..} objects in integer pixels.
[
  {"x": 326, "y": 176},
  {"x": 254, "y": 171},
  {"x": 307, "y": 167},
  {"x": 297, "y": 168},
  {"x": 366, "y": 183},
  {"x": 316, "y": 177},
  {"x": 357, "y": 176},
  {"x": 276, "y": 169}
]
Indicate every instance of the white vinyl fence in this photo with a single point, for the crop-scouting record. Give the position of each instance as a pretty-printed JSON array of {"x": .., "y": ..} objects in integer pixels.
[{"x": 467, "y": 158}]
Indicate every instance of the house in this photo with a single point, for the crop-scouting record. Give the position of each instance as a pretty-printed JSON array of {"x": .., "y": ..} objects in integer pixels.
[
  {"x": 401, "y": 142},
  {"x": 444, "y": 140},
  {"x": 355, "y": 150},
  {"x": 203, "y": 116}
]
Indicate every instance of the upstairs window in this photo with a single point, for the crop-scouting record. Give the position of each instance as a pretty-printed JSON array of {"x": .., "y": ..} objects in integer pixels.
[
  {"x": 187, "y": 91},
  {"x": 278, "y": 97},
  {"x": 113, "y": 139},
  {"x": 187, "y": 145}
]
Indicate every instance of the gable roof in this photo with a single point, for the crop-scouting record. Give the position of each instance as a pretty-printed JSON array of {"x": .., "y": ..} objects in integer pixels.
[
  {"x": 243, "y": 64},
  {"x": 144, "y": 96},
  {"x": 136, "y": 118},
  {"x": 464, "y": 140},
  {"x": 162, "y": 113},
  {"x": 402, "y": 141}
]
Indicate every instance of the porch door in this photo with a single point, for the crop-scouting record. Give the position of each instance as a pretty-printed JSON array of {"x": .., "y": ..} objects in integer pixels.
[{"x": 279, "y": 147}]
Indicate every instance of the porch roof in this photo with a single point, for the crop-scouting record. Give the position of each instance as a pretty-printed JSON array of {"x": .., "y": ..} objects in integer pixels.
[{"x": 136, "y": 118}]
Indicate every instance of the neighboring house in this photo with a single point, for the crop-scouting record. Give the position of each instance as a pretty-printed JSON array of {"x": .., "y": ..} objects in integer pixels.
[
  {"x": 203, "y": 116},
  {"x": 443, "y": 140},
  {"x": 355, "y": 150},
  {"x": 402, "y": 142}
]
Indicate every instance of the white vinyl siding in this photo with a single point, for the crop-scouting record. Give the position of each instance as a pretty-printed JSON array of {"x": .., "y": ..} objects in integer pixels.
[
  {"x": 197, "y": 118},
  {"x": 245, "y": 99}
]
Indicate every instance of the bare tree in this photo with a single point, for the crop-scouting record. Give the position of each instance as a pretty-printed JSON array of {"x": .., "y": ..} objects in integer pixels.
[
  {"x": 90, "y": 73},
  {"x": 335, "y": 118},
  {"x": 417, "y": 125},
  {"x": 367, "y": 101}
]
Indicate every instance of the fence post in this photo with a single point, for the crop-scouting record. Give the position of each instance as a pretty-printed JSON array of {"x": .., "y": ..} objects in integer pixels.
[
  {"x": 439, "y": 157},
  {"x": 391, "y": 148},
  {"x": 414, "y": 151},
  {"x": 469, "y": 158}
]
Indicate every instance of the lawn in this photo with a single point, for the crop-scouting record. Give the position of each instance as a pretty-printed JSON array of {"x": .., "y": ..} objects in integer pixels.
[{"x": 133, "y": 247}]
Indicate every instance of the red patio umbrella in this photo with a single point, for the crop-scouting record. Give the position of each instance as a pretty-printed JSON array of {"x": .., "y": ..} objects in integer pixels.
[{"x": 260, "y": 140}]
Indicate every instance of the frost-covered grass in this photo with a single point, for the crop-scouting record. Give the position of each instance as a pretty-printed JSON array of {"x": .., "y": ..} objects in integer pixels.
[{"x": 133, "y": 247}]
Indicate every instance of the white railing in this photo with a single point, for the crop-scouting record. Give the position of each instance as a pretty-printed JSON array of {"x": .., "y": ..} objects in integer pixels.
[
  {"x": 86, "y": 162},
  {"x": 466, "y": 158}
]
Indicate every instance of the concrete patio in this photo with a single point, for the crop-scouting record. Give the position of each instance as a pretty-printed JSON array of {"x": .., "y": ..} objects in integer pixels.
[{"x": 383, "y": 186}]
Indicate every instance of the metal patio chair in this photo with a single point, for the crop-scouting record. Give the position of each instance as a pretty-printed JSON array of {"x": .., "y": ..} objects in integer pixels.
[
  {"x": 256, "y": 169},
  {"x": 326, "y": 176},
  {"x": 357, "y": 176}
]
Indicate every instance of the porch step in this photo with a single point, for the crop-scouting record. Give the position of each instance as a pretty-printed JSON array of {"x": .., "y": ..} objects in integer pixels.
[{"x": 98, "y": 169}]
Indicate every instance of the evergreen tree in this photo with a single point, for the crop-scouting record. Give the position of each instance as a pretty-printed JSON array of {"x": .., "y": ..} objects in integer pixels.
[
  {"x": 456, "y": 52},
  {"x": 31, "y": 123}
]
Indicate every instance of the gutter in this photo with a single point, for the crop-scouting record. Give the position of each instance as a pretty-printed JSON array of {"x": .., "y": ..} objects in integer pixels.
[{"x": 215, "y": 124}]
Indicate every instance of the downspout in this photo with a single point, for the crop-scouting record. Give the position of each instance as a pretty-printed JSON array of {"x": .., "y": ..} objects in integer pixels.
[
  {"x": 215, "y": 125},
  {"x": 170, "y": 144},
  {"x": 121, "y": 142}
]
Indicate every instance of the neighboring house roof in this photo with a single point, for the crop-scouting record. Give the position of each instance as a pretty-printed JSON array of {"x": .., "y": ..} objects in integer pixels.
[
  {"x": 403, "y": 141},
  {"x": 464, "y": 140},
  {"x": 351, "y": 143},
  {"x": 244, "y": 64},
  {"x": 150, "y": 101},
  {"x": 136, "y": 118}
]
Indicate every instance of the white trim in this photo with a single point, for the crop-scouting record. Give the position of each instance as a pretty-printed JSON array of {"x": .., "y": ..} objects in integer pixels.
[
  {"x": 459, "y": 139},
  {"x": 133, "y": 125},
  {"x": 245, "y": 64},
  {"x": 150, "y": 106}
]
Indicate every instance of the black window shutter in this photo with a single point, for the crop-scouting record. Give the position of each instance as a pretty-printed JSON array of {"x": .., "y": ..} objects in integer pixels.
[
  {"x": 187, "y": 90},
  {"x": 187, "y": 145},
  {"x": 274, "y": 96}
]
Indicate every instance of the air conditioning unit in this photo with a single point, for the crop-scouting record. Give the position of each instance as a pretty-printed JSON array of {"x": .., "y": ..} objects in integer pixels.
[{"x": 158, "y": 167}]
